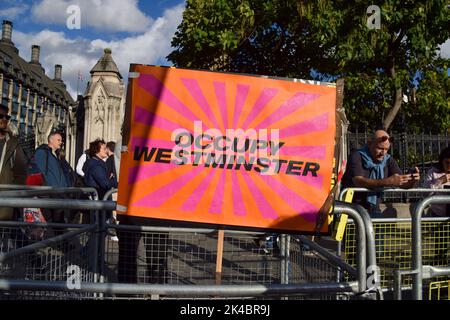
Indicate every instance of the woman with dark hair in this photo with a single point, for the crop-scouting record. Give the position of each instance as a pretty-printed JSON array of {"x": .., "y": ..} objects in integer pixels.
[
  {"x": 96, "y": 175},
  {"x": 438, "y": 177}
]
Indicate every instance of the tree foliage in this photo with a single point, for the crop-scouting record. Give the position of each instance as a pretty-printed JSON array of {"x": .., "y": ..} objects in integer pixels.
[
  {"x": 429, "y": 108},
  {"x": 326, "y": 40}
]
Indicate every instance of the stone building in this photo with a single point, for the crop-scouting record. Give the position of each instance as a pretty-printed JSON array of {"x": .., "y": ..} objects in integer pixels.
[
  {"x": 37, "y": 103},
  {"x": 103, "y": 102}
]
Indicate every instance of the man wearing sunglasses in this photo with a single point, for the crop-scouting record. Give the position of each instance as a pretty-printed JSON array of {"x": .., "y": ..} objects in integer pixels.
[
  {"x": 372, "y": 167},
  {"x": 12, "y": 159}
]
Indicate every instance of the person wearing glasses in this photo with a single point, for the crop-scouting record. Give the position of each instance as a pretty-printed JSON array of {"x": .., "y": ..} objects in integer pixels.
[
  {"x": 372, "y": 167},
  {"x": 13, "y": 169}
]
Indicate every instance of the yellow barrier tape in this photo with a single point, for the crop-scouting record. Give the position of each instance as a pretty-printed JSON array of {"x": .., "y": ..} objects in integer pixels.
[{"x": 341, "y": 223}]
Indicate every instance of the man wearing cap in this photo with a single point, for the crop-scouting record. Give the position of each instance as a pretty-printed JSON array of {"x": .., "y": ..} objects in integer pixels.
[
  {"x": 12, "y": 159},
  {"x": 372, "y": 167}
]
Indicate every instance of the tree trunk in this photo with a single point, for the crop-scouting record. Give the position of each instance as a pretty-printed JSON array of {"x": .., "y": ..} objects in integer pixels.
[
  {"x": 393, "y": 46},
  {"x": 394, "y": 110},
  {"x": 397, "y": 103}
]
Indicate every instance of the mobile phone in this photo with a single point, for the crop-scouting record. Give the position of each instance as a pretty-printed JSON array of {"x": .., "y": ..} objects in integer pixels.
[{"x": 411, "y": 171}]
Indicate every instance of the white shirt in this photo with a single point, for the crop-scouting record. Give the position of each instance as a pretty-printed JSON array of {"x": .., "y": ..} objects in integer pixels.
[
  {"x": 80, "y": 164},
  {"x": 432, "y": 181}
]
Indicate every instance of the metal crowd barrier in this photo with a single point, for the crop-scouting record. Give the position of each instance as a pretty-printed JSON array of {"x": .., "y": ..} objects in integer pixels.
[
  {"x": 243, "y": 278},
  {"x": 11, "y": 191},
  {"x": 436, "y": 289},
  {"x": 393, "y": 246},
  {"x": 419, "y": 271},
  {"x": 396, "y": 236},
  {"x": 393, "y": 190}
]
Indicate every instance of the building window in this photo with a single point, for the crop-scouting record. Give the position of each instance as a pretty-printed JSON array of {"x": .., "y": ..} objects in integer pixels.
[
  {"x": 31, "y": 103},
  {"x": 39, "y": 104},
  {"x": 23, "y": 111},
  {"x": 24, "y": 96},
  {"x": 63, "y": 115},
  {"x": 15, "y": 92},
  {"x": 57, "y": 109},
  {"x": 5, "y": 87},
  {"x": 5, "y": 92},
  {"x": 15, "y": 107},
  {"x": 23, "y": 108},
  {"x": 22, "y": 129},
  {"x": 30, "y": 116}
]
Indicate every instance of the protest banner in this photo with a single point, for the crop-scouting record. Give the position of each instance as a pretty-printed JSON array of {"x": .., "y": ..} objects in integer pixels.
[{"x": 227, "y": 149}]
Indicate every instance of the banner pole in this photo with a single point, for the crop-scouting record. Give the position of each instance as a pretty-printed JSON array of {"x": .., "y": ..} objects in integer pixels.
[{"x": 220, "y": 238}]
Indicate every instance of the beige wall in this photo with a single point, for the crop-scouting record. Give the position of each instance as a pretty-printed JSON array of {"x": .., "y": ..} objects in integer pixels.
[{"x": 103, "y": 110}]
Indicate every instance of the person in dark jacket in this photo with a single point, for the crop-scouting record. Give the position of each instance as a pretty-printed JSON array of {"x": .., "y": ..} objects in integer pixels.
[
  {"x": 110, "y": 163},
  {"x": 96, "y": 173},
  {"x": 67, "y": 169},
  {"x": 12, "y": 159},
  {"x": 47, "y": 161},
  {"x": 373, "y": 168}
]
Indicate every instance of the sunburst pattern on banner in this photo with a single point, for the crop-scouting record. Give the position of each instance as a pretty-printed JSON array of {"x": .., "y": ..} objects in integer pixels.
[{"x": 166, "y": 99}]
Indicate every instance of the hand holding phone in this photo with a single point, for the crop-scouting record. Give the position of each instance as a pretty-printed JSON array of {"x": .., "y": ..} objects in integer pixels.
[{"x": 413, "y": 173}]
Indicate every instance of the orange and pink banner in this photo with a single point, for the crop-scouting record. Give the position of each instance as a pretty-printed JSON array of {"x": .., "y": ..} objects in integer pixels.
[{"x": 227, "y": 149}]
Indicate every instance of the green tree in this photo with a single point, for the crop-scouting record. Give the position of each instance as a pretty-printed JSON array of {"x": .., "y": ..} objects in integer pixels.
[
  {"x": 429, "y": 105},
  {"x": 209, "y": 32},
  {"x": 326, "y": 40}
]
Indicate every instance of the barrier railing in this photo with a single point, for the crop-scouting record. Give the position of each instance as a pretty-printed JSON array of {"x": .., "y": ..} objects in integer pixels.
[
  {"x": 439, "y": 290},
  {"x": 417, "y": 268},
  {"x": 393, "y": 190},
  {"x": 11, "y": 191},
  {"x": 253, "y": 290},
  {"x": 49, "y": 259},
  {"x": 92, "y": 205},
  {"x": 396, "y": 235},
  {"x": 237, "y": 241},
  {"x": 393, "y": 246}
]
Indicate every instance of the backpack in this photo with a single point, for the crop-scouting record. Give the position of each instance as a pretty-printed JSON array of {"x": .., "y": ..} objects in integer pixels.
[{"x": 34, "y": 176}]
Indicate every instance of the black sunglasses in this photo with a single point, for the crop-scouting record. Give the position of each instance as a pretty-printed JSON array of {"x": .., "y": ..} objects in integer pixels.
[
  {"x": 6, "y": 116},
  {"x": 384, "y": 138}
]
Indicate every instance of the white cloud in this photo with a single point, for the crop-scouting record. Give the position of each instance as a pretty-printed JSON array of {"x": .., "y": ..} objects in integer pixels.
[
  {"x": 148, "y": 47},
  {"x": 106, "y": 15},
  {"x": 445, "y": 49},
  {"x": 14, "y": 12},
  {"x": 82, "y": 54},
  {"x": 56, "y": 49}
]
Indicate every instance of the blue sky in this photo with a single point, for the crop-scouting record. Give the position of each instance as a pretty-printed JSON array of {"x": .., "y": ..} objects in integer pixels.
[{"x": 136, "y": 31}]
